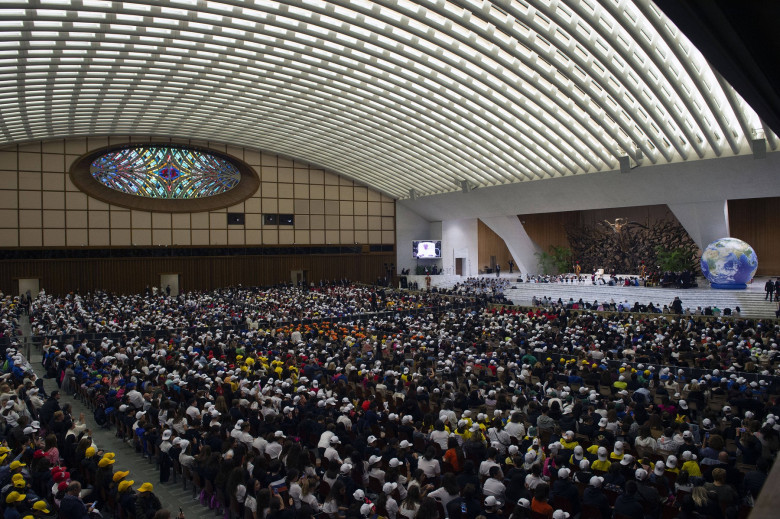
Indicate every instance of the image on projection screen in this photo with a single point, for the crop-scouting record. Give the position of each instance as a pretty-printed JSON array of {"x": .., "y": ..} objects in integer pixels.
[{"x": 426, "y": 249}]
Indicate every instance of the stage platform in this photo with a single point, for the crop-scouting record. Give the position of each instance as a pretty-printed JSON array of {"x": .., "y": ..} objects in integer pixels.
[{"x": 751, "y": 300}]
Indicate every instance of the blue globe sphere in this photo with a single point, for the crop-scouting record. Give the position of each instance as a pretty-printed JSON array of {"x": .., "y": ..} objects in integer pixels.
[{"x": 729, "y": 263}]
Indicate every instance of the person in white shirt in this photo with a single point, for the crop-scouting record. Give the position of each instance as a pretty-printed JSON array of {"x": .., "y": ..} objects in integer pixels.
[
  {"x": 515, "y": 427},
  {"x": 331, "y": 453},
  {"x": 490, "y": 462},
  {"x": 375, "y": 471},
  {"x": 429, "y": 464},
  {"x": 439, "y": 435},
  {"x": 493, "y": 485}
]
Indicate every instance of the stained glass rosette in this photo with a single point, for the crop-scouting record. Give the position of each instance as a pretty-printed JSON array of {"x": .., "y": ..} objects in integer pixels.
[{"x": 165, "y": 172}]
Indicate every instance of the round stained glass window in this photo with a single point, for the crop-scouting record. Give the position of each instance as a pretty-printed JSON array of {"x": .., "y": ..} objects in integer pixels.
[
  {"x": 164, "y": 177},
  {"x": 165, "y": 172}
]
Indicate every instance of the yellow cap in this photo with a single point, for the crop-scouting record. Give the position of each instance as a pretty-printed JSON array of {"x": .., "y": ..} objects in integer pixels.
[
  {"x": 16, "y": 464},
  {"x": 124, "y": 485},
  {"x": 146, "y": 487},
  {"x": 90, "y": 452},
  {"x": 41, "y": 506},
  {"x": 15, "y": 497},
  {"x": 105, "y": 462},
  {"x": 120, "y": 475}
]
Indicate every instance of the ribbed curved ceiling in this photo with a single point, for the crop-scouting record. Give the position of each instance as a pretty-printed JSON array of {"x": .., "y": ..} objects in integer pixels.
[{"x": 396, "y": 94}]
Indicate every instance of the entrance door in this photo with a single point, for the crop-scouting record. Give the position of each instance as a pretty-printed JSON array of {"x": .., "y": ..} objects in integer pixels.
[
  {"x": 459, "y": 266},
  {"x": 299, "y": 276},
  {"x": 169, "y": 280},
  {"x": 31, "y": 285}
]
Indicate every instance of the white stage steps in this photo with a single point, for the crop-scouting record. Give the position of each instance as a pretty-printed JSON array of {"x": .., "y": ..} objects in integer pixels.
[{"x": 751, "y": 300}]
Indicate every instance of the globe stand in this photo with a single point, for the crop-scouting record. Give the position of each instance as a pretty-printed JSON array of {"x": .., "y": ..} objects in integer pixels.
[{"x": 729, "y": 286}]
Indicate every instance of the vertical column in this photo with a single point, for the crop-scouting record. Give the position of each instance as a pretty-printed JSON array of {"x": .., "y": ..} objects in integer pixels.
[{"x": 704, "y": 221}]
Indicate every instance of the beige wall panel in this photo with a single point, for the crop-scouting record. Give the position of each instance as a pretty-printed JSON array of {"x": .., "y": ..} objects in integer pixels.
[
  {"x": 200, "y": 237},
  {"x": 301, "y": 207},
  {"x": 332, "y": 237},
  {"x": 316, "y": 192},
  {"x": 360, "y": 208},
  {"x": 29, "y": 161},
  {"x": 95, "y": 204},
  {"x": 236, "y": 236},
  {"x": 284, "y": 162},
  {"x": 361, "y": 222},
  {"x": 346, "y": 193},
  {"x": 31, "y": 238},
  {"x": 387, "y": 223},
  {"x": 346, "y": 207},
  {"x": 9, "y": 199},
  {"x": 301, "y": 176},
  {"x": 99, "y": 237},
  {"x": 141, "y": 237},
  {"x": 161, "y": 220},
  {"x": 141, "y": 220},
  {"x": 331, "y": 222},
  {"x": 317, "y": 206},
  {"x": 218, "y": 221},
  {"x": 76, "y": 219},
  {"x": 69, "y": 160},
  {"x": 120, "y": 220},
  {"x": 374, "y": 223},
  {"x": 388, "y": 209},
  {"x": 316, "y": 221},
  {"x": 120, "y": 237},
  {"x": 9, "y": 218},
  {"x": 270, "y": 205},
  {"x": 361, "y": 193},
  {"x": 181, "y": 237},
  {"x": 252, "y": 157},
  {"x": 238, "y": 208},
  {"x": 270, "y": 237},
  {"x": 254, "y": 237},
  {"x": 331, "y": 192},
  {"x": 375, "y": 236},
  {"x": 99, "y": 220},
  {"x": 331, "y": 207},
  {"x": 301, "y": 191},
  {"x": 53, "y": 163},
  {"x": 8, "y": 161},
  {"x": 53, "y": 181},
  {"x": 301, "y": 221},
  {"x": 180, "y": 220},
  {"x": 374, "y": 208},
  {"x": 317, "y": 237},
  {"x": 302, "y": 237},
  {"x": 76, "y": 146},
  {"x": 316, "y": 176},
  {"x": 388, "y": 237},
  {"x": 269, "y": 190},
  {"x": 374, "y": 196},
  {"x": 9, "y": 237},
  {"x": 347, "y": 236},
  {"x": 285, "y": 190},
  {"x": 253, "y": 221},
  {"x": 285, "y": 175},
  {"x": 199, "y": 221},
  {"x": 268, "y": 174},
  {"x": 331, "y": 179},
  {"x": 361, "y": 236},
  {"x": 75, "y": 200},
  {"x": 30, "y": 180},
  {"x": 286, "y": 236},
  {"x": 77, "y": 237},
  {"x": 30, "y": 199},
  {"x": 268, "y": 160},
  {"x": 286, "y": 205},
  {"x": 253, "y": 205},
  {"x": 161, "y": 237},
  {"x": 53, "y": 238},
  {"x": 346, "y": 222},
  {"x": 53, "y": 219},
  {"x": 57, "y": 146}
]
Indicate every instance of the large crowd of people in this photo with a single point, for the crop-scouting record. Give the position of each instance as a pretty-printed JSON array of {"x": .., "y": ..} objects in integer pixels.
[{"x": 345, "y": 401}]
